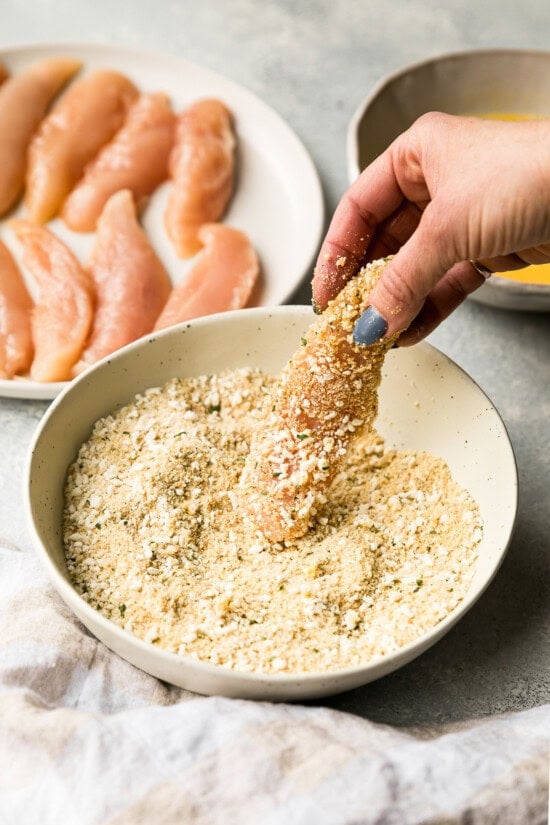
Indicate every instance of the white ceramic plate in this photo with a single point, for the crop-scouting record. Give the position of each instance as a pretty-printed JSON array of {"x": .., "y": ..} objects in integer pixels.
[
  {"x": 278, "y": 199},
  {"x": 426, "y": 403}
]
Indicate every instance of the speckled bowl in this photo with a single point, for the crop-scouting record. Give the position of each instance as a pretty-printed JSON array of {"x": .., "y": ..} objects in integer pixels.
[
  {"x": 426, "y": 402},
  {"x": 473, "y": 82}
]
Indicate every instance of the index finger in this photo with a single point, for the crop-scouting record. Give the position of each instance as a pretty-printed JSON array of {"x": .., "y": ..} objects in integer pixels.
[{"x": 372, "y": 198}]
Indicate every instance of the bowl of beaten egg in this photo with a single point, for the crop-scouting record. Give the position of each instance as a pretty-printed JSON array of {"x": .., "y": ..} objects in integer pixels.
[
  {"x": 502, "y": 84},
  {"x": 132, "y": 476}
]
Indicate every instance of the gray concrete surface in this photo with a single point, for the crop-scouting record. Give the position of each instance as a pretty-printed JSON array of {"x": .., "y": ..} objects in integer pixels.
[{"x": 314, "y": 61}]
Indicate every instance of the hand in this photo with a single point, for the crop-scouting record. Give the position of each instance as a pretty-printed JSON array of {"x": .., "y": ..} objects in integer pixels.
[{"x": 447, "y": 191}]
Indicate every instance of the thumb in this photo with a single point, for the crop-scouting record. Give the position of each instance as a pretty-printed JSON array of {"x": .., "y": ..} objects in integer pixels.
[{"x": 405, "y": 283}]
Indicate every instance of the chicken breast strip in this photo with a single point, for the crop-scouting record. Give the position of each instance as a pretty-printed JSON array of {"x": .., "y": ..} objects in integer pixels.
[
  {"x": 62, "y": 315},
  {"x": 327, "y": 395},
  {"x": 16, "y": 348},
  {"x": 131, "y": 282},
  {"x": 202, "y": 169},
  {"x": 135, "y": 159},
  {"x": 24, "y": 99},
  {"x": 221, "y": 279},
  {"x": 79, "y": 125}
]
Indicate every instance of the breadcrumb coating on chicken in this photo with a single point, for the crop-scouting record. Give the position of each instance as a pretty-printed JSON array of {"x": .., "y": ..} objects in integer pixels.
[{"x": 327, "y": 396}]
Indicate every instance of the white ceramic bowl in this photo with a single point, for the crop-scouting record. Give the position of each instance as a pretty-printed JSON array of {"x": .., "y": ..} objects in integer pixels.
[
  {"x": 475, "y": 82},
  {"x": 427, "y": 402}
]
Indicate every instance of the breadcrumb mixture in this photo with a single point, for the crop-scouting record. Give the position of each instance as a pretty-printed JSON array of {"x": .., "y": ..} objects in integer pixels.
[{"x": 155, "y": 538}]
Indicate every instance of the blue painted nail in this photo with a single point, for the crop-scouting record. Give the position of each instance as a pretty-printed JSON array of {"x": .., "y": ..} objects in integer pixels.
[{"x": 370, "y": 327}]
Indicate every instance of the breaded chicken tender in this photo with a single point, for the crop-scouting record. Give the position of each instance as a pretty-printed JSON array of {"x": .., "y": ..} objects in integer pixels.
[{"x": 327, "y": 396}]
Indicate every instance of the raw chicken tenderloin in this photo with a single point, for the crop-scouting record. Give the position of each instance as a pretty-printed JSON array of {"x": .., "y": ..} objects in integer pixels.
[
  {"x": 135, "y": 159},
  {"x": 24, "y": 99},
  {"x": 79, "y": 125},
  {"x": 131, "y": 283},
  {"x": 62, "y": 316},
  {"x": 202, "y": 169},
  {"x": 221, "y": 279},
  {"x": 16, "y": 348},
  {"x": 327, "y": 395}
]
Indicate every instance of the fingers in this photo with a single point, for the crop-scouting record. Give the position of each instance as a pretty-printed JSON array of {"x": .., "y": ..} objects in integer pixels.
[
  {"x": 438, "y": 302},
  {"x": 395, "y": 231},
  {"x": 373, "y": 198},
  {"x": 343, "y": 250},
  {"x": 461, "y": 280},
  {"x": 406, "y": 281},
  {"x": 335, "y": 269},
  {"x": 517, "y": 260}
]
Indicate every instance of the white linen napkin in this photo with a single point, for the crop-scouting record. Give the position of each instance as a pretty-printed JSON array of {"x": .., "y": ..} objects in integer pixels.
[{"x": 86, "y": 738}]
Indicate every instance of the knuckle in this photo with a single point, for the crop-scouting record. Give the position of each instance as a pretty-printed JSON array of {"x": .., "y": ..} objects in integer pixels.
[
  {"x": 335, "y": 250},
  {"x": 367, "y": 219},
  {"x": 430, "y": 121},
  {"x": 456, "y": 286}
]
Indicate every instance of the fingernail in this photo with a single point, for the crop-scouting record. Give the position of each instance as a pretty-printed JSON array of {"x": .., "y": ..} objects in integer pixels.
[
  {"x": 370, "y": 327},
  {"x": 316, "y": 308}
]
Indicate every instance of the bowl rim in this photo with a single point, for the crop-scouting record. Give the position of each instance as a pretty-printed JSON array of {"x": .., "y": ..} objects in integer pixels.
[
  {"x": 352, "y": 144},
  {"x": 277, "y": 680}
]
